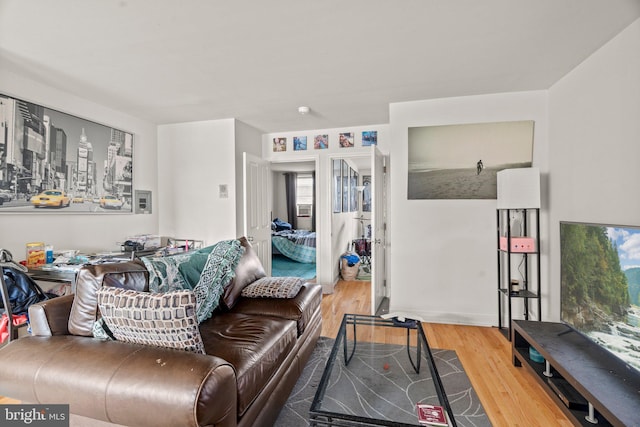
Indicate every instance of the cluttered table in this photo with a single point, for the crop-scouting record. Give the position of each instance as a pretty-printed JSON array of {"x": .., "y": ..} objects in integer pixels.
[{"x": 64, "y": 265}]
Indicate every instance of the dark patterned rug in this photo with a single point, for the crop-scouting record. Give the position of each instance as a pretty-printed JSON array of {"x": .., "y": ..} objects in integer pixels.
[{"x": 466, "y": 406}]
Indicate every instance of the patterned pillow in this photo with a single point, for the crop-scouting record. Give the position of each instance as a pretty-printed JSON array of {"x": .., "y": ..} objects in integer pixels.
[
  {"x": 164, "y": 273},
  {"x": 273, "y": 287},
  {"x": 217, "y": 273},
  {"x": 163, "y": 320}
]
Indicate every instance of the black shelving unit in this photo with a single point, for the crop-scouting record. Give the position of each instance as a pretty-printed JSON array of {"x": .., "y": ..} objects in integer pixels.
[{"x": 529, "y": 266}]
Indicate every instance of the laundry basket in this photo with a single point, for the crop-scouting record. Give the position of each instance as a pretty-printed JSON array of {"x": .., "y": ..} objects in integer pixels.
[{"x": 349, "y": 266}]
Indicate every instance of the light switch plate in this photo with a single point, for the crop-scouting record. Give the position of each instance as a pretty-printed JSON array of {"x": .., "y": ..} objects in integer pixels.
[{"x": 224, "y": 191}]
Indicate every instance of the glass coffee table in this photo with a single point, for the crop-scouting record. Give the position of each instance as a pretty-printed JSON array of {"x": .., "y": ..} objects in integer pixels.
[{"x": 368, "y": 383}]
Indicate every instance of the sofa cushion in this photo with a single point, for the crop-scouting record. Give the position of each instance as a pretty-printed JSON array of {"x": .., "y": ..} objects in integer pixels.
[
  {"x": 90, "y": 278},
  {"x": 162, "y": 320},
  {"x": 256, "y": 346},
  {"x": 248, "y": 270},
  {"x": 273, "y": 287},
  {"x": 299, "y": 309}
]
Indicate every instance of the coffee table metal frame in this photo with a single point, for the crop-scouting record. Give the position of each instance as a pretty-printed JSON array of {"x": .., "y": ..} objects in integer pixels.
[{"x": 320, "y": 417}]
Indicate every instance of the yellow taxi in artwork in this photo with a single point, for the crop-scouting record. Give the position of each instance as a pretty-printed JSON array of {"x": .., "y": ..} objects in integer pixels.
[
  {"x": 109, "y": 201},
  {"x": 51, "y": 198}
]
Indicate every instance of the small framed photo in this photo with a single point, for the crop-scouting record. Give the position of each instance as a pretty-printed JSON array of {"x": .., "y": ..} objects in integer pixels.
[
  {"x": 369, "y": 138},
  {"x": 321, "y": 142},
  {"x": 346, "y": 140},
  {"x": 279, "y": 144},
  {"x": 299, "y": 143}
]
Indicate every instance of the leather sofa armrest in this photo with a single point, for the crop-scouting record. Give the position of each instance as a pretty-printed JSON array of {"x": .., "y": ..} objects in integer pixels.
[
  {"x": 121, "y": 383},
  {"x": 51, "y": 317}
]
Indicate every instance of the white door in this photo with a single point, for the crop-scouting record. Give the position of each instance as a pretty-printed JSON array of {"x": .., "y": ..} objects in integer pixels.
[
  {"x": 256, "y": 206},
  {"x": 378, "y": 229}
]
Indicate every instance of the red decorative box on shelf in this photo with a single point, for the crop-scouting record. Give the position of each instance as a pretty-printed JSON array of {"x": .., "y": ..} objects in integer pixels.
[{"x": 519, "y": 244}]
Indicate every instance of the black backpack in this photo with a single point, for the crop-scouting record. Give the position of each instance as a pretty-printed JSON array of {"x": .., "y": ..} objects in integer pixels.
[{"x": 22, "y": 290}]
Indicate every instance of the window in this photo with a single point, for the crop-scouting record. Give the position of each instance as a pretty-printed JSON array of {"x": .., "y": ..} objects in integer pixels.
[{"x": 304, "y": 194}]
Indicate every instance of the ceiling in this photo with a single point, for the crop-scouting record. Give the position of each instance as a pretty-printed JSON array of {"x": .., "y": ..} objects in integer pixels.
[{"x": 170, "y": 61}]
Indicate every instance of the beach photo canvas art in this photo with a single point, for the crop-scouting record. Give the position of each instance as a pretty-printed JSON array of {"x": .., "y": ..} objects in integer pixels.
[{"x": 461, "y": 161}]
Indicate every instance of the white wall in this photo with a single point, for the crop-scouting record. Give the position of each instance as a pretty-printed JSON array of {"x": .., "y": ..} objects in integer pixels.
[
  {"x": 95, "y": 232},
  {"x": 595, "y": 144},
  {"x": 194, "y": 159},
  {"x": 443, "y": 252}
]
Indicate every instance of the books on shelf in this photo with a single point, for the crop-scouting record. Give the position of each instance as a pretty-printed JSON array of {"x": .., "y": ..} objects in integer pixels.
[{"x": 431, "y": 415}]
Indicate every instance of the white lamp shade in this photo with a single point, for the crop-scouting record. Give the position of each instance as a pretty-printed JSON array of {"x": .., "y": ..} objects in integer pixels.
[{"x": 519, "y": 188}]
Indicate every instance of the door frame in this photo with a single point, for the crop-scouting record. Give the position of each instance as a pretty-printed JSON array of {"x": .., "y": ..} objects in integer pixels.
[{"x": 379, "y": 221}]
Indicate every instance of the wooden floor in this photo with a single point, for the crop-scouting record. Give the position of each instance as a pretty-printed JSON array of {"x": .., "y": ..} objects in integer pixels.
[{"x": 510, "y": 396}]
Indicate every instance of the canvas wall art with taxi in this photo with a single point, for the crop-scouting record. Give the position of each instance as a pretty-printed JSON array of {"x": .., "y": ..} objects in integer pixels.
[{"x": 55, "y": 162}]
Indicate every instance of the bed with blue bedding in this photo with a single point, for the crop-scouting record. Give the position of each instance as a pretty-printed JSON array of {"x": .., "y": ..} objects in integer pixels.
[{"x": 299, "y": 245}]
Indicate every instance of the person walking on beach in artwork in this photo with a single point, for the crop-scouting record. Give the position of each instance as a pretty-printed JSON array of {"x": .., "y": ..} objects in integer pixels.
[{"x": 479, "y": 167}]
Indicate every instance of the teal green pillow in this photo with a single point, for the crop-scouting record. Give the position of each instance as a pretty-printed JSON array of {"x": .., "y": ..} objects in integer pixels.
[
  {"x": 191, "y": 269},
  {"x": 164, "y": 274}
]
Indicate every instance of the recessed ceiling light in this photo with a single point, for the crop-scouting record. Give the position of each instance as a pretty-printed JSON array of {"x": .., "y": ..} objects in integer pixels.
[{"x": 303, "y": 110}]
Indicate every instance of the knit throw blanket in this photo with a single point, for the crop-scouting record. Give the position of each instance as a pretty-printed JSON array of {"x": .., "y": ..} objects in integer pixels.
[{"x": 207, "y": 272}]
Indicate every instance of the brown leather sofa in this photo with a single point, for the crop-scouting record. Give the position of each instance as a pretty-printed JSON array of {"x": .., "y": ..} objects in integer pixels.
[{"x": 255, "y": 352}]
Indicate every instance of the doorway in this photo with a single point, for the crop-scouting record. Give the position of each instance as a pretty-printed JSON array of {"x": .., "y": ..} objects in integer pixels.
[
  {"x": 351, "y": 228},
  {"x": 364, "y": 230},
  {"x": 293, "y": 217},
  {"x": 332, "y": 238}
]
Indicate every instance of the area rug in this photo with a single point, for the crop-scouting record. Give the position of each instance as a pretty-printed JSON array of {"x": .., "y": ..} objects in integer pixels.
[
  {"x": 467, "y": 408},
  {"x": 281, "y": 266}
]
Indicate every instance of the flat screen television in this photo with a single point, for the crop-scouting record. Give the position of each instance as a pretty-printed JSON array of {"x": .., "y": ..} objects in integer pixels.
[{"x": 600, "y": 285}]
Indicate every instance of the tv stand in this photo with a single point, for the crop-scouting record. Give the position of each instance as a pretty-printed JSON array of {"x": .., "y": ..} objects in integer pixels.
[
  {"x": 581, "y": 372},
  {"x": 565, "y": 332}
]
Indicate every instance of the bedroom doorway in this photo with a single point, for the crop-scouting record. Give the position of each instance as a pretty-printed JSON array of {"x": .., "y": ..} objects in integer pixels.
[{"x": 293, "y": 235}]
